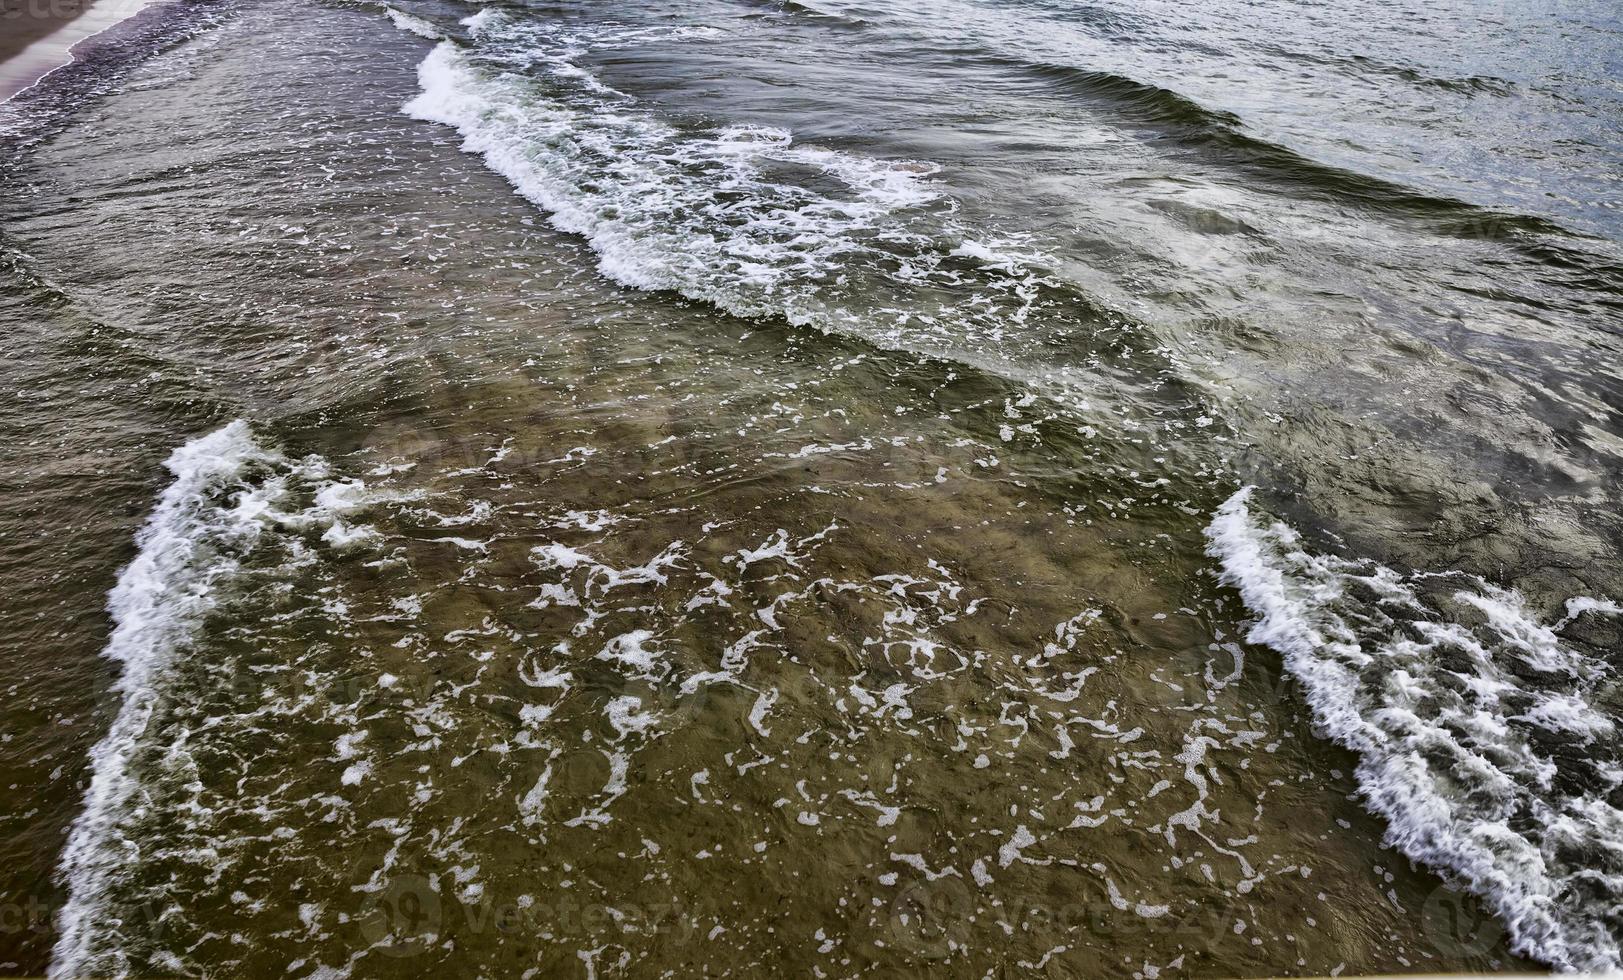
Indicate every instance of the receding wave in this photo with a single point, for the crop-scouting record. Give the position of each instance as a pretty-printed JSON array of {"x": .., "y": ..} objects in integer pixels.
[
  {"x": 228, "y": 496},
  {"x": 99, "y": 62},
  {"x": 1477, "y": 725}
]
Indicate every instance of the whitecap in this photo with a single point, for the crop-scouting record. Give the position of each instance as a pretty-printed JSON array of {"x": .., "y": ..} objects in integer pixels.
[
  {"x": 1479, "y": 738},
  {"x": 228, "y": 494}
]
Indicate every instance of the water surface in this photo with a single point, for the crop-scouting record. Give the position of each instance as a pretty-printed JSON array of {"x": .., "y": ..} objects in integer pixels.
[{"x": 760, "y": 487}]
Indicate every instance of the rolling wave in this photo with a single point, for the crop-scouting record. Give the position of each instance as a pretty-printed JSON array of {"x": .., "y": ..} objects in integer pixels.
[
  {"x": 1221, "y": 134},
  {"x": 832, "y": 18},
  {"x": 1481, "y": 733},
  {"x": 228, "y": 495},
  {"x": 744, "y": 218}
]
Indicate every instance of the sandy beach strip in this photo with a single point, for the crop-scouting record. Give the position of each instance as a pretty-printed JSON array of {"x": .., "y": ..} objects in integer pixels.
[{"x": 38, "y": 36}]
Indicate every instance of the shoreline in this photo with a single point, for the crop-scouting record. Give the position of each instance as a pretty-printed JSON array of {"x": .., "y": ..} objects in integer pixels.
[{"x": 41, "y": 35}]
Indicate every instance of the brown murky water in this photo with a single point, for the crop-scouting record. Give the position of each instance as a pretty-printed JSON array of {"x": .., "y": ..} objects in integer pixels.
[{"x": 527, "y": 624}]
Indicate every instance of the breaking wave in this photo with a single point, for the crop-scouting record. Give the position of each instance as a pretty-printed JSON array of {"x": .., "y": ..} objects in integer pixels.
[
  {"x": 1478, "y": 726},
  {"x": 742, "y": 217},
  {"x": 208, "y": 529}
]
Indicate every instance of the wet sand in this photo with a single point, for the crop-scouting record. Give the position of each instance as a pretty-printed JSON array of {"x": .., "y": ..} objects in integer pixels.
[{"x": 39, "y": 35}]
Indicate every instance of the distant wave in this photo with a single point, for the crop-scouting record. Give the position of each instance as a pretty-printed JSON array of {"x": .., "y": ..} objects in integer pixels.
[
  {"x": 1221, "y": 134},
  {"x": 1479, "y": 738},
  {"x": 1463, "y": 84},
  {"x": 412, "y": 24},
  {"x": 833, "y": 18}
]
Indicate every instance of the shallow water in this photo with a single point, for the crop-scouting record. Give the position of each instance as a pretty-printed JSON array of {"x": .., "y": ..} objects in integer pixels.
[{"x": 758, "y": 488}]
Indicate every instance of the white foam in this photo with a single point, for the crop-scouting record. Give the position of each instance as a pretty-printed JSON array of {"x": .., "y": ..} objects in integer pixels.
[
  {"x": 414, "y": 24},
  {"x": 483, "y": 19},
  {"x": 1458, "y": 752},
  {"x": 662, "y": 208},
  {"x": 228, "y": 492},
  {"x": 632, "y": 652},
  {"x": 742, "y": 217}
]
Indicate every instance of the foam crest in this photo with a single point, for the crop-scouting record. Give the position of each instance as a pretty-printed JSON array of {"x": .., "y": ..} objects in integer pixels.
[
  {"x": 741, "y": 217},
  {"x": 228, "y": 493},
  {"x": 694, "y": 213},
  {"x": 1477, "y": 725},
  {"x": 413, "y": 24}
]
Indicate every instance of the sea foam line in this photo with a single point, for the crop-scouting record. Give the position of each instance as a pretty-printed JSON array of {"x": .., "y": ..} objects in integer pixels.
[
  {"x": 727, "y": 215},
  {"x": 663, "y": 210},
  {"x": 1498, "y": 782},
  {"x": 226, "y": 495}
]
